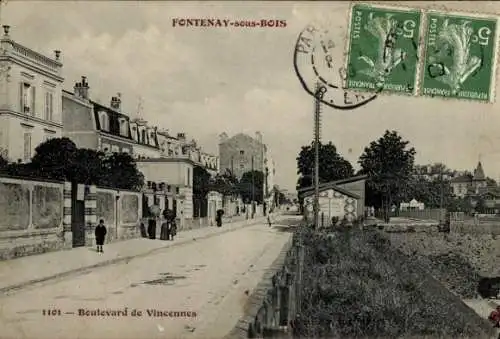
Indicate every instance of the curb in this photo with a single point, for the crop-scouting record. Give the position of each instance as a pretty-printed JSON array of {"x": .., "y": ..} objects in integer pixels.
[
  {"x": 19, "y": 286},
  {"x": 259, "y": 294}
]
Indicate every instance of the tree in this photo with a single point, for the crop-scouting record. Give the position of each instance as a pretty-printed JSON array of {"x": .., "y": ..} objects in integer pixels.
[
  {"x": 429, "y": 184},
  {"x": 55, "y": 159},
  {"x": 120, "y": 171},
  {"x": 332, "y": 166},
  {"x": 225, "y": 183},
  {"x": 388, "y": 163},
  {"x": 201, "y": 187},
  {"x": 480, "y": 206},
  {"x": 88, "y": 167},
  {"x": 491, "y": 182},
  {"x": 201, "y": 182},
  {"x": 251, "y": 186}
]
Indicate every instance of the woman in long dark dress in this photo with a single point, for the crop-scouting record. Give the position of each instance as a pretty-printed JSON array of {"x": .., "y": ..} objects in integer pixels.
[{"x": 100, "y": 235}]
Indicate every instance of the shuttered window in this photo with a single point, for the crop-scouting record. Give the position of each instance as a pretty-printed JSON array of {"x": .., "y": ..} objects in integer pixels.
[
  {"x": 49, "y": 108},
  {"x": 27, "y": 146}
]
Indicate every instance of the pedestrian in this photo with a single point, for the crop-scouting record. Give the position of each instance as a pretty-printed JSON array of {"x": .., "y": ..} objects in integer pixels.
[
  {"x": 168, "y": 227},
  {"x": 269, "y": 218},
  {"x": 100, "y": 235}
]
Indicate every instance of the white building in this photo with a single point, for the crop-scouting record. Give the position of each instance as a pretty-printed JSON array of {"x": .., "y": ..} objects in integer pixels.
[{"x": 30, "y": 99}]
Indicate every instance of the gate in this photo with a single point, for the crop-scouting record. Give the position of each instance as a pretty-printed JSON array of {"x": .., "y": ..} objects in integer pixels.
[{"x": 78, "y": 214}]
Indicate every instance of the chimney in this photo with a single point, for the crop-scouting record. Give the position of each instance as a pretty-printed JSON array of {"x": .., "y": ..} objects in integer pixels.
[
  {"x": 6, "y": 29},
  {"x": 57, "y": 53},
  {"x": 116, "y": 102},
  {"x": 258, "y": 136},
  {"x": 77, "y": 89},
  {"x": 84, "y": 88},
  {"x": 181, "y": 136}
]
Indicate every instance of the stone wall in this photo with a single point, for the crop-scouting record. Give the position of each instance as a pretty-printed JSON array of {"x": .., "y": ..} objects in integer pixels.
[
  {"x": 32, "y": 217},
  {"x": 272, "y": 307},
  {"x": 121, "y": 211}
]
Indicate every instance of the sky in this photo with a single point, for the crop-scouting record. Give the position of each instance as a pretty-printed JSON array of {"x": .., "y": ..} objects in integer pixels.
[{"x": 205, "y": 81}]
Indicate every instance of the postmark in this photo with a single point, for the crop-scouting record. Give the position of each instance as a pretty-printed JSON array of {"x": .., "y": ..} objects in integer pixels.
[
  {"x": 460, "y": 56},
  {"x": 321, "y": 74},
  {"x": 383, "y": 49}
]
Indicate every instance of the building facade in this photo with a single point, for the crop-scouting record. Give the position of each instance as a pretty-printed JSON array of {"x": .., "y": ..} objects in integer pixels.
[
  {"x": 242, "y": 153},
  {"x": 30, "y": 99},
  {"x": 341, "y": 199},
  {"x": 105, "y": 128},
  {"x": 465, "y": 184},
  {"x": 176, "y": 172}
]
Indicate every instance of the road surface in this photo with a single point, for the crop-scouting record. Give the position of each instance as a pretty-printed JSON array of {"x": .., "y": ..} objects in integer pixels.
[{"x": 195, "y": 290}]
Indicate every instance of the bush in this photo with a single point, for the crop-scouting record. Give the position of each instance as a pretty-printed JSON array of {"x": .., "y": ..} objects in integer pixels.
[
  {"x": 60, "y": 159},
  {"x": 352, "y": 288}
]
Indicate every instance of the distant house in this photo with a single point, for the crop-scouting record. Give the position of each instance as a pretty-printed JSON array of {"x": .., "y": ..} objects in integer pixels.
[
  {"x": 464, "y": 185},
  {"x": 341, "y": 198},
  {"x": 412, "y": 205}
]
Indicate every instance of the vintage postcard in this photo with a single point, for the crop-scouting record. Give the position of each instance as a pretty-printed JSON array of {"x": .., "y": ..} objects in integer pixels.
[{"x": 249, "y": 169}]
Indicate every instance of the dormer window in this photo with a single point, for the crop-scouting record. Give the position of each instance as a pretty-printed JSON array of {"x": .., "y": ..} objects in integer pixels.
[
  {"x": 134, "y": 132},
  {"x": 124, "y": 130},
  {"x": 104, "y": 121}
]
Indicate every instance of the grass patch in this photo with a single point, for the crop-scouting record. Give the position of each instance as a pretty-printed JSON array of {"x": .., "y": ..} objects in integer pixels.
[{"x": 356, "y": 285}]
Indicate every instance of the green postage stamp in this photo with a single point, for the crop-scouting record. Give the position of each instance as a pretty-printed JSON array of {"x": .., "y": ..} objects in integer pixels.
[
  {"x": 383, "y": 49},
  {"x": 460, "y": 56}
]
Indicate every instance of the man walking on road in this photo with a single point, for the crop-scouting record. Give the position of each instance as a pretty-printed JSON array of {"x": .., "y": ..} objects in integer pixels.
[
  {"x": 269, "y": 218},
  {"x": 100, "y": 235}
]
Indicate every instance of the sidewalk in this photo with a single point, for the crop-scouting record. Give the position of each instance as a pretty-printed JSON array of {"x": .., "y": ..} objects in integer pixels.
[{"x": 19, "y": 273}]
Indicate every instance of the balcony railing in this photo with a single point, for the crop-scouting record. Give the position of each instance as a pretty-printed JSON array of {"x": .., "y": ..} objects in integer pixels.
[{"x": 36, "y": 57}]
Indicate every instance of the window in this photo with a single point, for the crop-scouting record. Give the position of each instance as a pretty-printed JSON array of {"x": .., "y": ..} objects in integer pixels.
[
  {"x": 124, "y": 131},
  {"x": 242, "y": 166},
  {"x": 27, "y": 98},
  {"x": 104, "y": 121},
  {"x": 49, "y": 108},
  {"x": 27, "y": 146},
  {"x": 242, "y": 152}
]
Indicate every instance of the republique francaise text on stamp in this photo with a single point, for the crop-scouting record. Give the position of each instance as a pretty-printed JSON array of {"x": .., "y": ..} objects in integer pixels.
[
  {"x": 460, "y": 56},
  {"x": 383, "y": 49}
]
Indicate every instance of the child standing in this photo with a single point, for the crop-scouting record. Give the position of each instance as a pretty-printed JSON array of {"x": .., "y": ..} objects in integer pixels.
[{"x": 100, "y": 235}]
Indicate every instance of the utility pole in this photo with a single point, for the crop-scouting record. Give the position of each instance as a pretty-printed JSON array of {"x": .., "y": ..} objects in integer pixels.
[
  {"x": 253, "y": 190},
  {"x": 317, "y": 123},
  {"x": 441, "y": 190}
]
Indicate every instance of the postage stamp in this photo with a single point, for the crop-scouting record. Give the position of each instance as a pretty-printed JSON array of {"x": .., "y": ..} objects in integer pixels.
[
  {"x": 460, "y": 57},
  {"x": 383, "y": 49}
]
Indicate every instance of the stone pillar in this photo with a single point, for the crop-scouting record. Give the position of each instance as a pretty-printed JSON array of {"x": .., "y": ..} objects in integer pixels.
[
  {"x": 67, "y": 232},
  {"x": 91, "y": 213}
]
